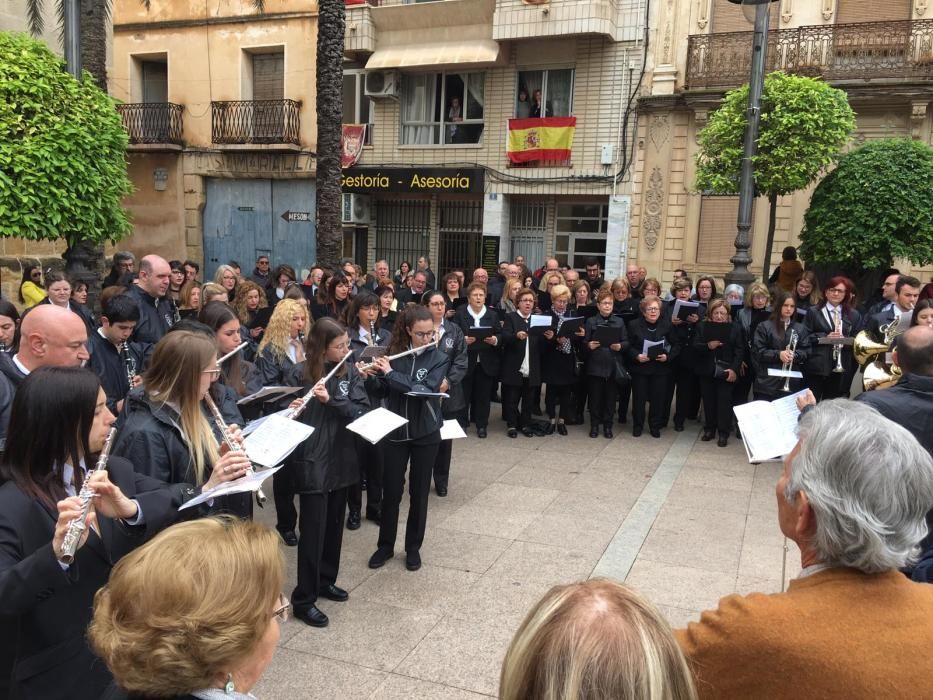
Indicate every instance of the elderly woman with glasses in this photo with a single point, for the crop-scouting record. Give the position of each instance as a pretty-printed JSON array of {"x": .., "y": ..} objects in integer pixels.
[
  {"x": 195, "y": 613},
  {"x": 652, "y": 348}
]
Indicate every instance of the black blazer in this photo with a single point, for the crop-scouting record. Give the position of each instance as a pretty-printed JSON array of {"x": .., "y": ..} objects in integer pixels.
[
  {"x": 52, "y": 606},
  {"x": 558, "y": 368},
  {"x": 454, "y": 346},
  {"x": 601, "y": 362},
  {"x": 488, "y": 357},
  {"x": 638, "y": 332},
  {"x": 731, "y": 352},
  {"x": 513, "y": 352},
  {"x": 820, "y": 361},
  {"x": 766, "y": 350}
]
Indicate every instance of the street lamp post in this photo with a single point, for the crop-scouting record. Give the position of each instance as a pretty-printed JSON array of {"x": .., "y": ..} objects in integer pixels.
[
  {"x": 72, "y": 36},
  {"x": 740, "y": 274}
]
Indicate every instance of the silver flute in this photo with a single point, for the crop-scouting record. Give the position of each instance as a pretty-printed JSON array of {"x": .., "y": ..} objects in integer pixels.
[
  {"x": 76, "y": 527},
  {"x": 411, "y": 351},
  {"x": 230, "y": 441},
  {"x": 303, "y": 401}
]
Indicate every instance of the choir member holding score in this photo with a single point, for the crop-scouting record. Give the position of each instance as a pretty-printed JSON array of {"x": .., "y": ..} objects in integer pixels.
[
  {"x": 483, "y": 336},
  {"x": 719, "y": 351},
  {"x": 604, "y": 341}
]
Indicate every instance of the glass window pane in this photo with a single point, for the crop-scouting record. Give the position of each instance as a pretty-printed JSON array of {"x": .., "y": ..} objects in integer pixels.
[
  {"x": 474, "y": 95},
  {"x": 364, "y": 102},
  {"x": 349, "y": 98},
  {"x": 570, "y": 211},
  {"x": 528, "y": 82},
  {"x": 558, "y": 93},
  {"x": 589, "y": 245},
  {"x": 579, "y": 225},
  {"x": 562, "y": 242}
]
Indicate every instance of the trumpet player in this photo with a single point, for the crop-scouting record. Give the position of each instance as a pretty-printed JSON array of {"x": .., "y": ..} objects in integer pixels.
[
  {"x": 48, "y": 600},
  {"x": 907, "y": 292},
  {"x": 114, "y": 359},
  {"x": 781, "y": 342},
  {"x": 830, "y": 368}
]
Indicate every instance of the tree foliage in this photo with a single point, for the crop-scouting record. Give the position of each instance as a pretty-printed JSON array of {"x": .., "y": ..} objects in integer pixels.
[
  {"x": 873, "y": 208},
  {"x": 63, "y": 154},
  {"x": 804, "y": 125}
]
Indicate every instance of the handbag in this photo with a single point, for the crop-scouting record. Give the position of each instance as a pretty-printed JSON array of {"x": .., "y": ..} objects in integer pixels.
[
  {"x": 621, "y": 374},
  {"x": 720, "y": 369}
]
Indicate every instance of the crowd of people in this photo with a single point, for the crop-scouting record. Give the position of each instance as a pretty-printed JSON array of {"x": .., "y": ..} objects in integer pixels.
[{"x": 171, "y": 600}]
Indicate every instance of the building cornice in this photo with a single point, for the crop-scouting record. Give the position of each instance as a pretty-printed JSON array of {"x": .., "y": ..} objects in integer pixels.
[{"x": 211, "y": 21}]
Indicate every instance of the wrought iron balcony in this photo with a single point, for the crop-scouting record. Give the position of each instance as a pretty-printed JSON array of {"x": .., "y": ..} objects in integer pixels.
[
  {"x": 861, "y": 51},
  {"x": 255, "y": 121},
  {"x": 152, "y": 122}
]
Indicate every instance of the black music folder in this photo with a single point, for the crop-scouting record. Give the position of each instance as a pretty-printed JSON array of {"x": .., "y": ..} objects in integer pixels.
[
  {"x": 568, "y": 326},
  {"x": 607, "y": 335},
  {"x": 717, "y": 331},
  {"x": 586, "y": 311},
  {"x": 479, "y": 331}
]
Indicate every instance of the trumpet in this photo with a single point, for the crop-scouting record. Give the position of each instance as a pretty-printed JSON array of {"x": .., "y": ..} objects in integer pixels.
[
  {"x": 837, "y": 349},
  {"x": 230, "y": 442},
  {"x": 412, "y": 351},
  {"x": 76, "y": 526},
  {"x": 372, "y": 333},
  {"x": 293, "y": 413},
  {"x": 788, "y": 366}
]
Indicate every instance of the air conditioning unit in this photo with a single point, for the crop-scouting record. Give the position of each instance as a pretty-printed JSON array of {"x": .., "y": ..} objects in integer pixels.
[
  {"x": 382, "y": 84},
  {"x": 357, "y": 209}
]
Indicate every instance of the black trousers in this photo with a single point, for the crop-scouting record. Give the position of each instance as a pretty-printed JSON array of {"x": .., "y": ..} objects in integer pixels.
[
  {"x": 559, "y": 396},
  {"x": 511, "y": 395},
  {"x": 479, "y": 389},
  {"x": 369, "y": 457},
  {"x": 602, "y": 393},
  {"x": 444, "y": 453},
  {"x": 283, "y": 493},
  {"x": 651, "y": 389},
  {"x": 580, "y": 396},
  {"x": 717, "y": 405},
  {"x": 624, "y": 393},
  {"x": 321, "y": 525},
  {"x": 397, "y": 458},
  {"x": 832, "y": 386},
  {"x": 688, "y": 394}
]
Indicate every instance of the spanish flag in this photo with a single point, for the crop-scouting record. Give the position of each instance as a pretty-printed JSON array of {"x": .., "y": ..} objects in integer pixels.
[{"x": 545, "y": 138}]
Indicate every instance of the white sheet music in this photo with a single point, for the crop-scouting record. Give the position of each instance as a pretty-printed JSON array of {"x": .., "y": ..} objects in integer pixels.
[
  {"x": 694, "y": 307},
  {"x": 452, "y": 430},
  {"x": 253, "y": 424},
  {"x": 250, "y": 482},
  {"x": 269, "y": 393},
  {"x": 376, "y": 424},
  {"x": 792, "y": 373},
  {"x": 769, "y": 429},
  {"x": 540, "y": 320},
  {"x": 275, "y": 439},
  {"x": 650, "y": 344}
]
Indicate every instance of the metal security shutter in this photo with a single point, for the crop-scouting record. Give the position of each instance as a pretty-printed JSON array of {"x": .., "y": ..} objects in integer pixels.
[
  {"x": 268, "y": 76},
  {"x": 527, "y": 229},
  {"x": 849, "y": 11},
  {"x": 716, "y": 239},
  {"x": 403, "y": 230},
  {"x": 729, "y": 18},
  {"x": 155, "y": 82},
  {"x": 460, "y": 236}
]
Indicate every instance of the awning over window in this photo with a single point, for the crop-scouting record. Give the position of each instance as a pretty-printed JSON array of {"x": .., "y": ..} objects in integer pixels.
[{"x": 464, "y": 53}]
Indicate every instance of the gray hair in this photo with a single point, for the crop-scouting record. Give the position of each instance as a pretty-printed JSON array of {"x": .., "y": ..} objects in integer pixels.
[
  {"x": 869, "y": 483},
  {"x": 123, "y": 256}
]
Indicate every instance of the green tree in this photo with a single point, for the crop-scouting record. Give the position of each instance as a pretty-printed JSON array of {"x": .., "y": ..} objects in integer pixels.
[
  {"x": 805, "y": 123},
  {"x": 63, "y": 155},
  {"x": 873, "y": 208}
]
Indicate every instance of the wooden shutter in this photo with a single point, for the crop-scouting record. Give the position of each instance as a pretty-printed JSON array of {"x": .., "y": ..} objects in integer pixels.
[
  {"x": 268, "y": 76},
  {"x": 849, "y": 11},
  {"x": 728, "y": 17},
  {"x": 716, "y": 237},
  {"x": 155, "y": 82}
]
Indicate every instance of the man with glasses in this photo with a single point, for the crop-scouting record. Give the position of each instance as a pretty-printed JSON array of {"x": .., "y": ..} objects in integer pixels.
[{"x": 261, "y": 275}]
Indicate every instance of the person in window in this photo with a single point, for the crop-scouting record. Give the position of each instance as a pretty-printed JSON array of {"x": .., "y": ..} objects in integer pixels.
[
  {"x": 536, "y": 108},
  {"x": 454, "y": 115},
  {"x": 523, "y": 108}
]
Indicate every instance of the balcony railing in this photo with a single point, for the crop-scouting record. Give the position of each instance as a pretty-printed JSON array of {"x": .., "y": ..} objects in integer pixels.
[
  {"x": 255, "y": 121},
  {"x": 152, "y": 122},
  {"x": 860, "y": 51}
]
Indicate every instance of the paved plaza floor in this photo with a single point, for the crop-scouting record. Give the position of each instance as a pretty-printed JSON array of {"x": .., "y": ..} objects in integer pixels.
[{"x": 683, "y": 521}]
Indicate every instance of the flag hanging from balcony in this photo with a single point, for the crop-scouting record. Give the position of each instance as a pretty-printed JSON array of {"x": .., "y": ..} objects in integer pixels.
[
  {"x": 351, "y": 144},
  {"x": 547, "y": 138}
]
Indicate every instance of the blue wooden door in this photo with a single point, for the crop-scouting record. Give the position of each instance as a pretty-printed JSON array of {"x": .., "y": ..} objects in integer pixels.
[{"x": 247, "y": 218}]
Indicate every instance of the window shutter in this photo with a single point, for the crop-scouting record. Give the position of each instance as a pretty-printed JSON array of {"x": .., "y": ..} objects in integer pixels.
[
  {"x": 155, "y": 82},
  {"x": 849, "y": 11},
  {"x": 716, "y": 239},
  {"x": 268, "y": 76},
  {"x": 728, "y": 17}
]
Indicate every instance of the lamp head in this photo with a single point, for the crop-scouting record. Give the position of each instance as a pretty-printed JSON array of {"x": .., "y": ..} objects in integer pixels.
[{"x": 750, "y": 6}]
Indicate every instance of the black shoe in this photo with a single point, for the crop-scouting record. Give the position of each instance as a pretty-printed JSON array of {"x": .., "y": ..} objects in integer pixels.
[
  {"x": 636, "y": 431},
  {"x": 678, "y": 427},
  {"x": 561, "y": 429},
  {"x": 289, "y": 537},
  {"x": 413, "y": 560},
  {"x": 528, "y": 432},
  {"x": 333, "y": 592},
  {"x": 594, "y": 431},
  {"x": 380, "y": 557},
  {"x": 607, "y": 431},
  {"x": 512, "y": 433},
  {"x": 549, "y": 430},
  {"x": 312, "y": 616},
  {"x": 441, "y": 491},
  {"x": 374, "y": 513},
  {"x": 723, "y": 441},
  {"x": 353, "y": 520},
  {"x": 481, "y": 432},
  {"x": 708, "y": 435},
  {"x": 655, "y": 433}
]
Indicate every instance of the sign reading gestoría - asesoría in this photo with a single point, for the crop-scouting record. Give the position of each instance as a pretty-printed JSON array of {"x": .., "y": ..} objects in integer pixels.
[{"x": 413, "y": 180}]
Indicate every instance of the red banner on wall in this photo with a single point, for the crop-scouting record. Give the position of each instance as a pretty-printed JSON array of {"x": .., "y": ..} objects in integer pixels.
[{"x": 351, "y": 144}]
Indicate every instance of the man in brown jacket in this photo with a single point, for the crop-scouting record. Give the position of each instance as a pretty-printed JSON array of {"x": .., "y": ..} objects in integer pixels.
[{"x": 853, "y": 497}]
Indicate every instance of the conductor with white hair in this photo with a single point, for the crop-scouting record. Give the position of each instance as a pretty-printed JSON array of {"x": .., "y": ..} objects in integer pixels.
[{"x": 852, "y": 496}]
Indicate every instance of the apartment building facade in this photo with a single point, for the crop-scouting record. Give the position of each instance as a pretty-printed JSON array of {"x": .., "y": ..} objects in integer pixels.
[
  {"x": 437, "y": 83},
  {"x": 219, "y": 103},
  {"x": 881, "y": 54}
]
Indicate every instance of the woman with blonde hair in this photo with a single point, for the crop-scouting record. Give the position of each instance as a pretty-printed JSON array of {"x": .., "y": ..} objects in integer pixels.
[
  {"x": 213, "y": 292},
  {"x": 189, "y": 298},
  {"x": 164, "y": 431},
  {"x": 595, "y": 640},
  {"x": 248, "y": 300},
  {"x": 195, "y": 613}
]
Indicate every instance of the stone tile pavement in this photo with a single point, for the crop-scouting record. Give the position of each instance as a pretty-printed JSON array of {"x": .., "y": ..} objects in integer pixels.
[{"x": 683, "y": 521}]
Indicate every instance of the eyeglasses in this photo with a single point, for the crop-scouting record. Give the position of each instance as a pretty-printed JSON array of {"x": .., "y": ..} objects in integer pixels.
[
  {"x": 281, "y": 612},
  {"x": 212, "y": 372},
  {"x": 36, "y": 274},
  {"x": 423, "y": 334},
  {"x": 652, "y": 310},
  {"x": 437, "y": 303},
  {"x": 836, "y": 291}
]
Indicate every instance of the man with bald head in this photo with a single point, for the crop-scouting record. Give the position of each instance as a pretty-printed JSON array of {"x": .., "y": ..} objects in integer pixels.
[
  {"x": 50, "y": 336},
  {"x": 157, "y": 311}
]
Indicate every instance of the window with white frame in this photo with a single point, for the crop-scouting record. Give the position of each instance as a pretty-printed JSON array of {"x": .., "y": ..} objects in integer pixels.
[
  {"x": 357, "y": 107},
  {"x": 581, "y": 233},
  {"x": 442, "y": 108},
  {"x": 544, "y": 93}
]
